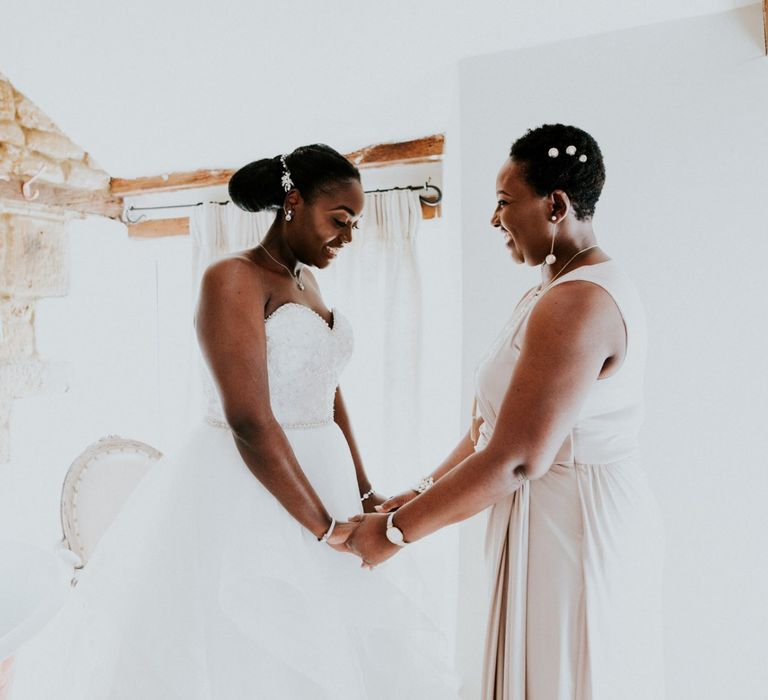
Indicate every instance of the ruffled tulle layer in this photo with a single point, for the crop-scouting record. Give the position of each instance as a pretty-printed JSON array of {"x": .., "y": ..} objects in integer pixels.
[{"x": 206, "y": 589}]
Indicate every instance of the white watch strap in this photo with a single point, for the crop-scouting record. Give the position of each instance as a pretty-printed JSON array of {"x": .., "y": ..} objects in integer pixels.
[{"x": 399, "y": 541}]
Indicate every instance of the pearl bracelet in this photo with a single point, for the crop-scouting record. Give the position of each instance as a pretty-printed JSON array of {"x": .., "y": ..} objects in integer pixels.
[
  {"x": 366, "y": 495},
  {"x": 328, "y": 534},
  {"x": 424, "y": 485}
]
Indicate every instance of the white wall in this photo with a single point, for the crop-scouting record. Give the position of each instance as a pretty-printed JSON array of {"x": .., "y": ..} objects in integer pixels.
[
  {"x": 681, "y": 113},
  {"x": 120, "y": 330}
]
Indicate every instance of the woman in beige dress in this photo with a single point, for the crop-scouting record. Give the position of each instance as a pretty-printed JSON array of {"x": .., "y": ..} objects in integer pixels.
[{"x": 574, "y": 539}]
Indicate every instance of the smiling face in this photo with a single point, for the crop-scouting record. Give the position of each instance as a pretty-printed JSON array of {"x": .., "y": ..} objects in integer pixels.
[
  {"x": 324, "y": 225},
  {"x": 522, "y": 215}
]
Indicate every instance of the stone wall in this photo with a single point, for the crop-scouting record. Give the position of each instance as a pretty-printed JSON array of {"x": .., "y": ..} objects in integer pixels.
[{"x": 33, "y": 245}]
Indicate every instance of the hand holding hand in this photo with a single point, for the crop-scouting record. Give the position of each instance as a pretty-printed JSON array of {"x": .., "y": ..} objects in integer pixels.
[
  {"x": 369, "y": 540},
  {"x": 341, "y": 533},
  {"x": 371, "y": 503},
  {"x": 396, "y": 502}
]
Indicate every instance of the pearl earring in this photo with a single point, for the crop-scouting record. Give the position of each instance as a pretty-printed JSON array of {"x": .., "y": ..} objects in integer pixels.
[
  {"x": 550, "y": 259},
  {"x": 288, "y": 215}
]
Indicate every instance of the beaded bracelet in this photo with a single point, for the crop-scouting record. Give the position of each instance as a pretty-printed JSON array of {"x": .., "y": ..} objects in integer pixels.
[
  {"x": 424, "y": 485},
  {"x": 366, "y": 495}
]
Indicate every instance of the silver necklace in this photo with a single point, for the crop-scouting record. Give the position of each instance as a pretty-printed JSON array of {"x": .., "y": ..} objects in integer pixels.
[
  {"x": 296, "y": 277},
  {"x": 543, "y": 289}
]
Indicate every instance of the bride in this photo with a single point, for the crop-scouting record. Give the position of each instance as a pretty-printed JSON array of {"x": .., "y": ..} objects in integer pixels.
[{"x": 220, "y": 580}]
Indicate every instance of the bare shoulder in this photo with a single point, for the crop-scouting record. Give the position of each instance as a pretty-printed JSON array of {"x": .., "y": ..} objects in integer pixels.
[
  {"x": 231, "y": 277},
  {"x": 576, "y": 311}
]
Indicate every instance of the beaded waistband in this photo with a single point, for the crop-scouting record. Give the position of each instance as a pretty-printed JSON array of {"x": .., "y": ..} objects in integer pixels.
[{"x": 217, "y": 423}]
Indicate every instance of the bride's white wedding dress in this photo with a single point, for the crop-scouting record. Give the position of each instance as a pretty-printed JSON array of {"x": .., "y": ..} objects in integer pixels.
[{"x": 206, "y": 589}]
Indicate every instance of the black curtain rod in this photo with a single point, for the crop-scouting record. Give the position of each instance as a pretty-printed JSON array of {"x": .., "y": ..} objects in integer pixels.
[{"x": 424, "y": 200}]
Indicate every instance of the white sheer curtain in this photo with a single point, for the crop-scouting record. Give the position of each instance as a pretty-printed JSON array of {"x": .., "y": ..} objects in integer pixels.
[
  {"x": 218, "y": 230},
  {"x": 375, "y": 283}
]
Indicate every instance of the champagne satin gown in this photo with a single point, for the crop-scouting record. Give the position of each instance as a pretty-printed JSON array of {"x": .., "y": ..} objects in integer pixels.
[{"x": 576, "y": 556}]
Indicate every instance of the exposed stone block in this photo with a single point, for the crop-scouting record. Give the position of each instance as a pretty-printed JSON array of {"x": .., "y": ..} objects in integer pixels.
[
  {"x": 23, "y": 378},
  {"x": 17, "y": 329},
  {"x": 32, "y": 162},
  {"x": 53, "y": 145},
  {"x": 11, "y": 132},
  {"x": 29, "y": 115},
  {"x": 10, "y": 157},
  {"x": 34, "y": 257},
  {"x": 7, "y": 102},
  {"x": 31, "y": 376},
  {"x": 83, "y": 177},
  {"x": 5, "y": 417}
]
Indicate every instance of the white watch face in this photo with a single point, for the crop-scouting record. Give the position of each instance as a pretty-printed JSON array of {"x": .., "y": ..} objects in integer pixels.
[{"x": 395, "y": 535}]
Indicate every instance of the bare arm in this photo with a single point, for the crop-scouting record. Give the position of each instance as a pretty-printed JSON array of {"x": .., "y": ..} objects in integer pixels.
[
  {"x": 463, "y": 449},
  {"x": 571, "y": 334},
  {"x": 230, "y": 329},
  {"x": 341, "y": 417}
]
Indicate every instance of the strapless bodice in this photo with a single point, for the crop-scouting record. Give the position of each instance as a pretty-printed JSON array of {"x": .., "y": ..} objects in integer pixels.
[{"x": 305, "y": 357}]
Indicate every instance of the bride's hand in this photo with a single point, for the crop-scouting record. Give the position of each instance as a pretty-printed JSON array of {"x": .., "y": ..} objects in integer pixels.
[
  {"x": 396, "y": 502},
  {"x": 342, "y": 531},
  {"x": 370, "y": 504}
]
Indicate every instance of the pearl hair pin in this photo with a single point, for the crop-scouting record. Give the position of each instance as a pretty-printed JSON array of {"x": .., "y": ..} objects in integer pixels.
[{"x": 570, "y": 150}]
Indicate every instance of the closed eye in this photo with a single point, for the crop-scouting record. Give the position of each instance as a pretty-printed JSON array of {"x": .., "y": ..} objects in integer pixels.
[{"x": 344, "y": 224}]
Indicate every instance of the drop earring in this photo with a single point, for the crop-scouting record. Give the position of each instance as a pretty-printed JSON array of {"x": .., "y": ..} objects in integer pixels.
[
  {"x": 288, "y": 215},
  {"x": 550, "y": 259}
]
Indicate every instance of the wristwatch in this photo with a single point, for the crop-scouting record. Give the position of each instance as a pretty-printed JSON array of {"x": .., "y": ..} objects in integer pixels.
[{"x": 395, "y": 534}]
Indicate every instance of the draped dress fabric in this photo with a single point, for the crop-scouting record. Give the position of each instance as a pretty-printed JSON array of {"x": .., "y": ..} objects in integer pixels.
[
  {"x": 575, "y": 557},
  {"x": 205, "y": 588}
]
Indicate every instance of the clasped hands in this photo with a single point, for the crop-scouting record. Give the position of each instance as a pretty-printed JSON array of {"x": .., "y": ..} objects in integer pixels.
[{"x": 365, "y": 535}]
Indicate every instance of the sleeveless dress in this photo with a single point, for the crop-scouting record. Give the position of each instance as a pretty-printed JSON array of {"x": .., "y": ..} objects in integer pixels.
[
  {"x": 575, "y": 557},
  {"x": 204, "y": 588}
]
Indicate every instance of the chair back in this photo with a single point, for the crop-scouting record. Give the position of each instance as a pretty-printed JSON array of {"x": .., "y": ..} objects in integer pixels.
[{"x": 97, "y": 485}]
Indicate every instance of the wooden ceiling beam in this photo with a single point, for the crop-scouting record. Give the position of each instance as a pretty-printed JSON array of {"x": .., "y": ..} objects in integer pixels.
[
  {"x": 422, "y": 150},
  {"x": 70, "y": 199},
  {"x": 419, "y": 150},
  {"x": 765, "y": 25},
  {"x": 155, "y": 184},
  {"x": 159, "y": 228}
]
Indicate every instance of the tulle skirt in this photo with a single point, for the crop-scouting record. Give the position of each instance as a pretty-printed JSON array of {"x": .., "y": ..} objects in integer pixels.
[{"x": 204, "y": 588}]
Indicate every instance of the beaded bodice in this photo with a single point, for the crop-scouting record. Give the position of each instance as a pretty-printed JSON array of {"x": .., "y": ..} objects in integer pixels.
[{"x": 305, "y": 357}]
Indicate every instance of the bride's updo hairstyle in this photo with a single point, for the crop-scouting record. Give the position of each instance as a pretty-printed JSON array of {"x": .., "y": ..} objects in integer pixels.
[
  {"x": 313, "y": 169},
  {"x": 559, "y": 157}
]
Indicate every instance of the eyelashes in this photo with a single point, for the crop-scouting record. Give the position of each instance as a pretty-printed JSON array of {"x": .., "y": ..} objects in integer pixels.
[{"x": 344, "y": 224}]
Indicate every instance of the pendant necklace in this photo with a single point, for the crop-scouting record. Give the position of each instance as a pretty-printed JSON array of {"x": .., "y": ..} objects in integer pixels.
[{"x": 296, "y": 277}]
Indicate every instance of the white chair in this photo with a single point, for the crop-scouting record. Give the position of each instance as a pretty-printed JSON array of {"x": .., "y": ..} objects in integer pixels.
[
  {"x": 97, "y": 485},
  {"x": 34, "y": 582}
]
